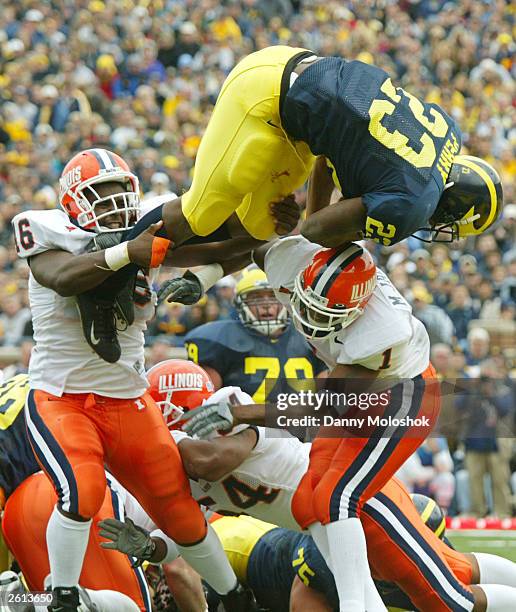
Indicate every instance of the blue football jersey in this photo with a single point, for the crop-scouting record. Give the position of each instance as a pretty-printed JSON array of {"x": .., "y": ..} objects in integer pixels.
[
  {"x": 277, "y": 558},
  {"x": 245, "y": 359},
  {"x": 17, "y": 460},
  {"x": 383, "y": 143}
]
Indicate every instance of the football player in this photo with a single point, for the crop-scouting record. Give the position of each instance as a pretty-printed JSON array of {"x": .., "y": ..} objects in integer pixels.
[
  {"x": 363, "y": 329},
  {"x": 260, "y": 344},
  {"x": 258, "y": 474},
  {"x": 27, "y": 500},
  {"x": 81, "y": 414},
  {"x": 394, "y": 158}
]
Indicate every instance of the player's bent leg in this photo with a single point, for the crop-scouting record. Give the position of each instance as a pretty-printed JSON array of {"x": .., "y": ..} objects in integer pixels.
[
  {"x": 24, "y": 525},
  {"x": 360, "y": 467},
  {"x": 245, "y": 160},
  {"x": 110, "y": 570},
  {"x": 25, "y": 520},
  {"x": 68, "y": 448},
  {"x": 147, "y": 463},
  {"x": 394, "y": 530}
]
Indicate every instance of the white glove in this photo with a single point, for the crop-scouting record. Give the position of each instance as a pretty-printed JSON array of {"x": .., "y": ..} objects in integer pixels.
[{"x": 205, "y": 420}]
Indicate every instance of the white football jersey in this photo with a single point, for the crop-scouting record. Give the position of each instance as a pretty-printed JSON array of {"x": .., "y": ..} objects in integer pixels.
[
  {"x": 62, "y": 361},
  {"x": 386, "y": 337},
  {"x": 264, "y": 484}
]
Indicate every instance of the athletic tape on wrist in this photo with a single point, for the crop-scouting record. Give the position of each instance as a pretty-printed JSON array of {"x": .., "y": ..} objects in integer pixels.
[
  {"x": 159, "y": 251},
  {"x": 117, "y": 256},
  {"x": 209, "y": 275}
]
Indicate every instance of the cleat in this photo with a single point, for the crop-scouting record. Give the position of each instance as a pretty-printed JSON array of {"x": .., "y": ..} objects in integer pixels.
[
  {"x": 240, "y": 599},
  {"x": 66, "y": 599},
  {"x": 99, "y": 326},
  {"x": 86, "y": 604}
]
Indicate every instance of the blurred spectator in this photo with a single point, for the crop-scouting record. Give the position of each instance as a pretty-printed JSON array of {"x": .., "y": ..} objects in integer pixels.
[
  {"x": 22, "y": 365},
  {"x": 477, "y": 347},
  {"x": 159, "y": 351},
  {"x": 461, "y": 311},
  {"x": 434, "y": 453},
  {"x": 160, "y": 184},
  {"x": 437, "y": 322},
  {"x": 485, "y": 405},
  {"x": 13, "y": 318}
]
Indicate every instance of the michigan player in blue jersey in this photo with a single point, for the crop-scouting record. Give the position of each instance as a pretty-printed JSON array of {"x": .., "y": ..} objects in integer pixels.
[
  {"x": 394, "y": 158},
  {"x": 17, "y": 461},
  {"x": 260, "y": 344}
]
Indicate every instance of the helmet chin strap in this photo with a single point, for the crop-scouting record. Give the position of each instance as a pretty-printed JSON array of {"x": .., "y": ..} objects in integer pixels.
[{"x": 468, "y": 220}]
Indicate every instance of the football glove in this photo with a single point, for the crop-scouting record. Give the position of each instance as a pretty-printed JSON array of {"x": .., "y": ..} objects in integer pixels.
[
  {"x": 103, "y": 241},
  {"x": 186, "y": 290},
  {"x": 205, "y": 420},
  {"x": 128, "y": 539}
]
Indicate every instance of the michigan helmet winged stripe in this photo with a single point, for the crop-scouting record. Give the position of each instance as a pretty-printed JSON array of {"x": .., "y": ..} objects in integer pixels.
[{"x": 466, "y": 160}]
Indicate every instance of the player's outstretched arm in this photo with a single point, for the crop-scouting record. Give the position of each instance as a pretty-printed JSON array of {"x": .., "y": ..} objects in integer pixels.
[
  {"x": 68, "y": 274},
  {"x": 213, "y": 459},
  {"x": 320, "y": 187},
  {"x": 337, "y": 224}
]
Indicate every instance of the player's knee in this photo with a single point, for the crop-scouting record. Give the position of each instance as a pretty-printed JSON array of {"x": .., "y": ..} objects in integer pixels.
[
  {"x": 183, "y": 521},
  {"x": 91, "y": 490},
  {"x": 334, "y": 505},
  {"x": 302, "y": 507}
]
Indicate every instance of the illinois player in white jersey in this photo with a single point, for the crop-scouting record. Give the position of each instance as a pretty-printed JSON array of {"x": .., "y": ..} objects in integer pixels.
[
  {"x": 253, "y": 471},
  {"x": 364, "y": 331},
  {"x": 83, "y": 413}
]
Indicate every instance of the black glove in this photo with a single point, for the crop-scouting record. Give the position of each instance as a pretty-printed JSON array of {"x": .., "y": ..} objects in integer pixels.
[
  {"x": 186, "y": 290},
  {"x": 127, "y": 538}
]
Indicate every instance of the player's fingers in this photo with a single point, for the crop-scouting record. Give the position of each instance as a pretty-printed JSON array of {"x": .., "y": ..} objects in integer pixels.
[
  {"x": 283, "y": 230},
  {"x": 111, "y": 522},
  {"x": 108, "y": 532},
  {"x": 285, "y": 218},
  {"x": 154, "y": 227},
  {"x": 110, "y": 545}
]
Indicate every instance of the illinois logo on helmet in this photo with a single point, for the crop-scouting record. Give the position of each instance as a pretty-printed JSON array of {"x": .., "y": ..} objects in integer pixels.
[
  {"x": 177, "y": 386},
  {"x": 333, "y": 290},
  {"x": 472, "y": 200},
  {"x": 79, "y": 197},
  {"x": 256, "y": 305}
]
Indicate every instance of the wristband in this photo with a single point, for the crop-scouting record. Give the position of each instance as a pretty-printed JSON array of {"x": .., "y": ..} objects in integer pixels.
[
  {"x": 209, "y": 275},
  {"x": 117, "y": 256},
  {"x": 159, "y": 251}
]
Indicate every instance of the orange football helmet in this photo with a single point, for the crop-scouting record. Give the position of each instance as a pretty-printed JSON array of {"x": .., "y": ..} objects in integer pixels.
[
  {"x": 177, "y": 386},
  {"x": 333, "y": 290},
  {"x": 78, "y": 180}
]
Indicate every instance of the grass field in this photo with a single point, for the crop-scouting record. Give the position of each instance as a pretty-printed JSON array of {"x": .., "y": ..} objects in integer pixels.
[{"x": 496, "y": 542}]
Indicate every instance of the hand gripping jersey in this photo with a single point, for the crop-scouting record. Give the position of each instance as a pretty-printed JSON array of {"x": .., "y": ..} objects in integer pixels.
[
  {"x": 245, "y": 359},
  {"x": 62, "y": 361},
  {"x": 382, "y": 142},
  {"x": 264, "y": 484},
  {"x": 386, "y": 337},
  {"x": 17, "y": 460}
]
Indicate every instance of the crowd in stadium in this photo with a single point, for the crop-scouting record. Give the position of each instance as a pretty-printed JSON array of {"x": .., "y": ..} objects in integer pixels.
[{"x": 141, "y": 78}]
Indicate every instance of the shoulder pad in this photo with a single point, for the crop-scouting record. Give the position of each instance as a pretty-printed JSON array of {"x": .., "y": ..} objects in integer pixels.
[
  {"x": 37, "y": 231},
  {"x": 228, "y": 333}
]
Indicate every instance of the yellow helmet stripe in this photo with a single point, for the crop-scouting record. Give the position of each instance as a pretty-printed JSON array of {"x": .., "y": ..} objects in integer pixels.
[
  {"x": 429, "y": 508},
  {"x": 439, "y": 531},
  {"x": 465, "y": 161}
]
